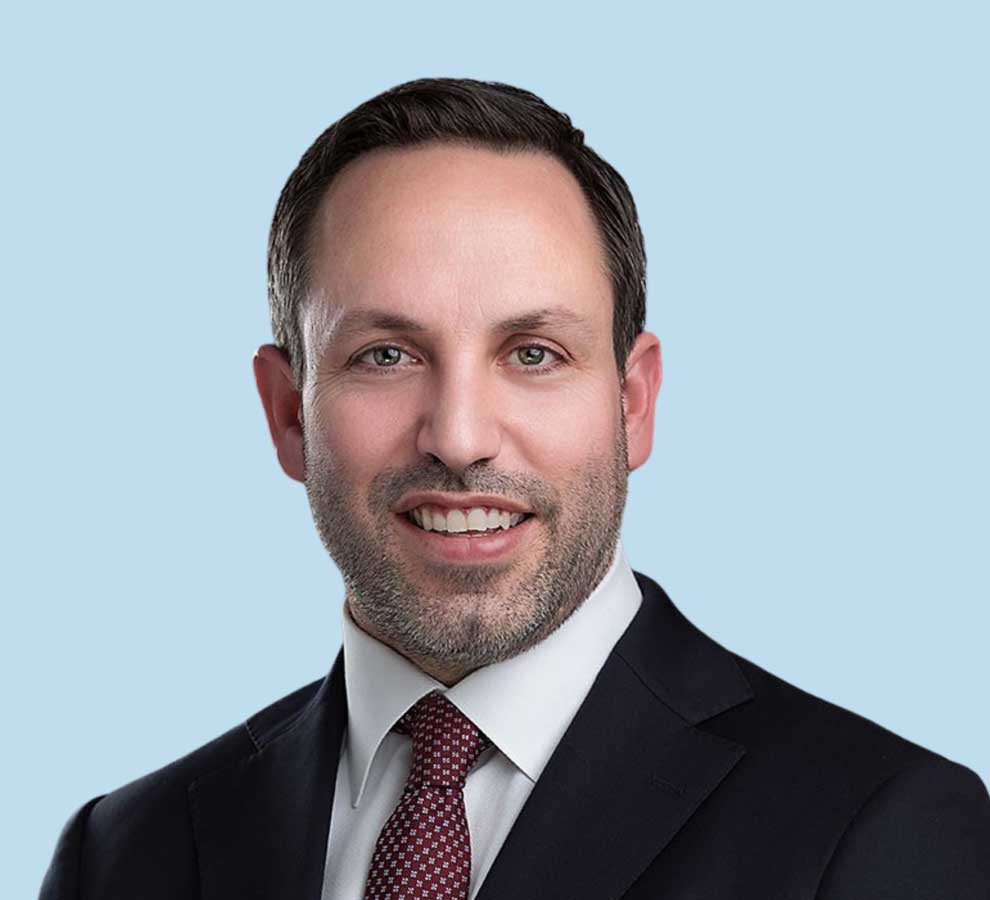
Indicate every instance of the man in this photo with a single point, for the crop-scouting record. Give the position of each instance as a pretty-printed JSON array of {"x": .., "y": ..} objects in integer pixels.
[{"x": 462, "y": 381}]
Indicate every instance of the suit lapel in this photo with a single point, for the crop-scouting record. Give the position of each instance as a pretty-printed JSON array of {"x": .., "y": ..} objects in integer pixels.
[
  {"x": 261, "y": 825},
  {"x": 632, "y": 767}
]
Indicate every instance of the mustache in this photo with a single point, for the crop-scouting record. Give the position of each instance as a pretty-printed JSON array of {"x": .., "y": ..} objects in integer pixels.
[{"x": 523, "y": 488}]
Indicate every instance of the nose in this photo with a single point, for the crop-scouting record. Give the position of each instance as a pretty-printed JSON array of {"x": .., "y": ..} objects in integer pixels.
[{"x": 460, "y": 419}]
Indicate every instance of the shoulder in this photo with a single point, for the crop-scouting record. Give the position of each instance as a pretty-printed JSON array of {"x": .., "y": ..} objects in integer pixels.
[
  {"x": 892, "y": 812},
  {"x": 144, "y": 826},
  {"x": 145, "y": 799},
  {"x": 923, "y": 831},
  {"x": 793, "y": 727}
]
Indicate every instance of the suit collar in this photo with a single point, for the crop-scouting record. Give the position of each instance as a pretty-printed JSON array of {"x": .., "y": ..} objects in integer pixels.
[
  {"x": 629, "y": 771},
  {"x": 681, "y": 665}
]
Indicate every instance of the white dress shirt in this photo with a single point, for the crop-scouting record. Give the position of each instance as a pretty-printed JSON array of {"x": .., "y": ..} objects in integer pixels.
[{"x": 524, "y": 704}]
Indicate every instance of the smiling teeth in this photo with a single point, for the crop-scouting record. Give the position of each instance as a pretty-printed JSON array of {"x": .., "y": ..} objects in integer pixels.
[{"x": 455, "y": 521}]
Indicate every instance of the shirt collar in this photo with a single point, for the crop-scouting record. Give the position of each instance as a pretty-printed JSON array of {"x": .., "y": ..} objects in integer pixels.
[{"x": 524, "y": 704}]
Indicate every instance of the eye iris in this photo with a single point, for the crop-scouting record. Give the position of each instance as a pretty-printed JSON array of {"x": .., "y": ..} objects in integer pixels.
[
  {"x": 386, "y": 350},
  {"x": 526, "y": 351}
]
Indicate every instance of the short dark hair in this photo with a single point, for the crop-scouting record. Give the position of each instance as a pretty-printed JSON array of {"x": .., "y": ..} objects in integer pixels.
[{"x": 485, "y": 114}]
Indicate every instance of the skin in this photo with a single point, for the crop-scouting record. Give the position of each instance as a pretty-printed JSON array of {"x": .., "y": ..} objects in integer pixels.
[{"x": 459, "y": 238}]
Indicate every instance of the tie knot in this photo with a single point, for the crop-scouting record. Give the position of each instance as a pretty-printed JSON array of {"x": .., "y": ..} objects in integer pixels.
[{"x": 446, "y": 743}]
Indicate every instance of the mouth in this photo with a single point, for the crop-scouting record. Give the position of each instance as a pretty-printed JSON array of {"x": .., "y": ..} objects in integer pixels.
[
  {"x": 470, "y": 545},
  {"x": 457, "y": 524}
]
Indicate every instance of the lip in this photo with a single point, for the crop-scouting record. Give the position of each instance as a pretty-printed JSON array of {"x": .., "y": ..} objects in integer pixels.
[
  {"x": 462, "y": 501},
  {"x": 465, "y": 548}
]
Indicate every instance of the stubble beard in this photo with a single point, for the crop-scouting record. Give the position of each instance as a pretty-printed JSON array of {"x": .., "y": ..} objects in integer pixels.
[{"x": 479, "y": 614}]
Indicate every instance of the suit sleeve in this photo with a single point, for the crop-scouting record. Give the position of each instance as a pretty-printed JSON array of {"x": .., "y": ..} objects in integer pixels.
[
  {"x": 924, "y": 833},
  {"x": 62, "y": 879}
]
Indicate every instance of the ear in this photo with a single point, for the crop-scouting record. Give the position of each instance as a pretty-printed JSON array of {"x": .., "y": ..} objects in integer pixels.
[
  {"x": 283, "y": 407},
  {"x": 644, "y": 372}
]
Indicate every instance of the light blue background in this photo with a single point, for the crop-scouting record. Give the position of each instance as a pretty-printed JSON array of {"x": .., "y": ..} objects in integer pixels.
[{"x": 812, "y": 182}]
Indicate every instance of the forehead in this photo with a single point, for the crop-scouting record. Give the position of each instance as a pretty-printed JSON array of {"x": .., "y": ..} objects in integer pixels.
[{"x": 459, "y": 233}]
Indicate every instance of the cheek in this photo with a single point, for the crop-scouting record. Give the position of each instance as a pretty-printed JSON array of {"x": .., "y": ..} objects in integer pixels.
[
  {"x": 364, "y": 436},
  {"x": 573, "y": 425}
]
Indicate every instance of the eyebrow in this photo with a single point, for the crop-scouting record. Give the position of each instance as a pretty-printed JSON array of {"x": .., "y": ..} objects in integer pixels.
[{"x": 356, "y": 321}]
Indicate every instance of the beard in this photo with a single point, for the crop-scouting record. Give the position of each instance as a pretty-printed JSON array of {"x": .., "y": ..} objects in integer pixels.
[{"x": 451, "y": 618}]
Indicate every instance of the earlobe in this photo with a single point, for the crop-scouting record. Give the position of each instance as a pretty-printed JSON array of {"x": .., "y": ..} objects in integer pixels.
[
  {"x": 644, "y": 374},
  {"x": 283, "y": 407}
]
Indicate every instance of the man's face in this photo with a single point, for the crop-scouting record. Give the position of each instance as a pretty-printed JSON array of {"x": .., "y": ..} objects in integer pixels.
[{"x": 459, "y": 240}]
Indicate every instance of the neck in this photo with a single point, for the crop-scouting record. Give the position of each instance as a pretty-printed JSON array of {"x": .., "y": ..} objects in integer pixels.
[{"x": 447, "y": 674}]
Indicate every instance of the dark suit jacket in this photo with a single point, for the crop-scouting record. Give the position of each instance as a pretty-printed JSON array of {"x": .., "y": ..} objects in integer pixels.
[{"x": 688, "y": 774}]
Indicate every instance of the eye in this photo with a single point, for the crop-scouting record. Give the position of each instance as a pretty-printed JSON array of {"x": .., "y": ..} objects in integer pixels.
[
  {"x": 384, "y": 358},
  {"x": 532, "y": 360}
]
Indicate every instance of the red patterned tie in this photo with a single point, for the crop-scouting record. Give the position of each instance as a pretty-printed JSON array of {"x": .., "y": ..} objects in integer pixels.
[{"x": 424, "y": 849}]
